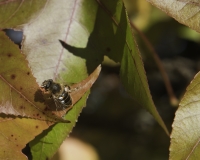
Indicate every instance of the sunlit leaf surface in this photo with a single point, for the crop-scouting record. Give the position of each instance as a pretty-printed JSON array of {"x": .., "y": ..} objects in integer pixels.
[
  {"x": 185, "y": 135},
  {"x": 184, "y": 11}
]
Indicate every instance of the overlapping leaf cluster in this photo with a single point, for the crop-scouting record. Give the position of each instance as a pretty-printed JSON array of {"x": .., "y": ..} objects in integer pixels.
[{"x": 64, "y": 41}]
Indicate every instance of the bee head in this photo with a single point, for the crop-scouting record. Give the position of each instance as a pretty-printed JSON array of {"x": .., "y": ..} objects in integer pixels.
[
  {"x": 50, "y": 85},
  {"x": 47, "y": 84}
]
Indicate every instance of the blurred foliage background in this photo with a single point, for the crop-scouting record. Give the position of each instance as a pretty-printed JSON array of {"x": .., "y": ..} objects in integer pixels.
[{"x": 112, "y": 122}]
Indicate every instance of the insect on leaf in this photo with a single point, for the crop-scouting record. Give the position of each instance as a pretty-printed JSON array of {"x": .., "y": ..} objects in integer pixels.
[
  {"x": 22, "y": 116},
  {"x": 22, "y": 96},
  {"x": 77, "y": 92}
]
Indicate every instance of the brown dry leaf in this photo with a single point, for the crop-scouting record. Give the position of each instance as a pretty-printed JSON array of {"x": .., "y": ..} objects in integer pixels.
[
  {"x": 85, "y": 85},
  {"x": 21, "y": 94},
  {"x": 15, "y": 133}
]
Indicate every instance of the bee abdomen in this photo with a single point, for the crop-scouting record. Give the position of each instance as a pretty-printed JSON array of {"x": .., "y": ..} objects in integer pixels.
[{"x": 65, "y": 99}]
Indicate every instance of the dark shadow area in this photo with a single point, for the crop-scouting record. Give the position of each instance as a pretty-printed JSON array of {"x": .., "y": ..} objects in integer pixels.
[
  {"x": 27, "y": 152},
  {"x": 39, "y": 96}
]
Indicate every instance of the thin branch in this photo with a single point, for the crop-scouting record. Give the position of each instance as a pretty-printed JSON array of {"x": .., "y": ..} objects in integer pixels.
[{"x": 173, "y": 100}]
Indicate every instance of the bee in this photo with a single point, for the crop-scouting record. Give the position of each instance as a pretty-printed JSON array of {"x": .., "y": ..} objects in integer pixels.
[{"x": 59, "y": 93}]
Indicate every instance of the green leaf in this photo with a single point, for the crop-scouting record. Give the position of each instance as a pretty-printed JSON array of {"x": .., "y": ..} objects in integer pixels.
[
  {"x": 116, "y": 39},
  {"x": 47, "y": 143},
  {"x": 134, "y": 78},
  {"x": 186, "y": 128}
]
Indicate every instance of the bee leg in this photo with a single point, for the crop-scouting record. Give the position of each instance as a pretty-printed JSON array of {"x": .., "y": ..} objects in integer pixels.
[
  {"x": 60, "y": 103},
  {"x": 74, "y": 89},
  {"x": 69, "y": 90}
]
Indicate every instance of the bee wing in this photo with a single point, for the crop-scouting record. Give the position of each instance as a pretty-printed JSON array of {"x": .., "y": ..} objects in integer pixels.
[
  {"x": 62, "y": 105},
  {"x": 59, "y": 106},
  {"x": 63, "y": 102}
]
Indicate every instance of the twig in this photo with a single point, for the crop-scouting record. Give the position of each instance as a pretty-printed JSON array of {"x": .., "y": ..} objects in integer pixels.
[{"x": 173, "y": 100}]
